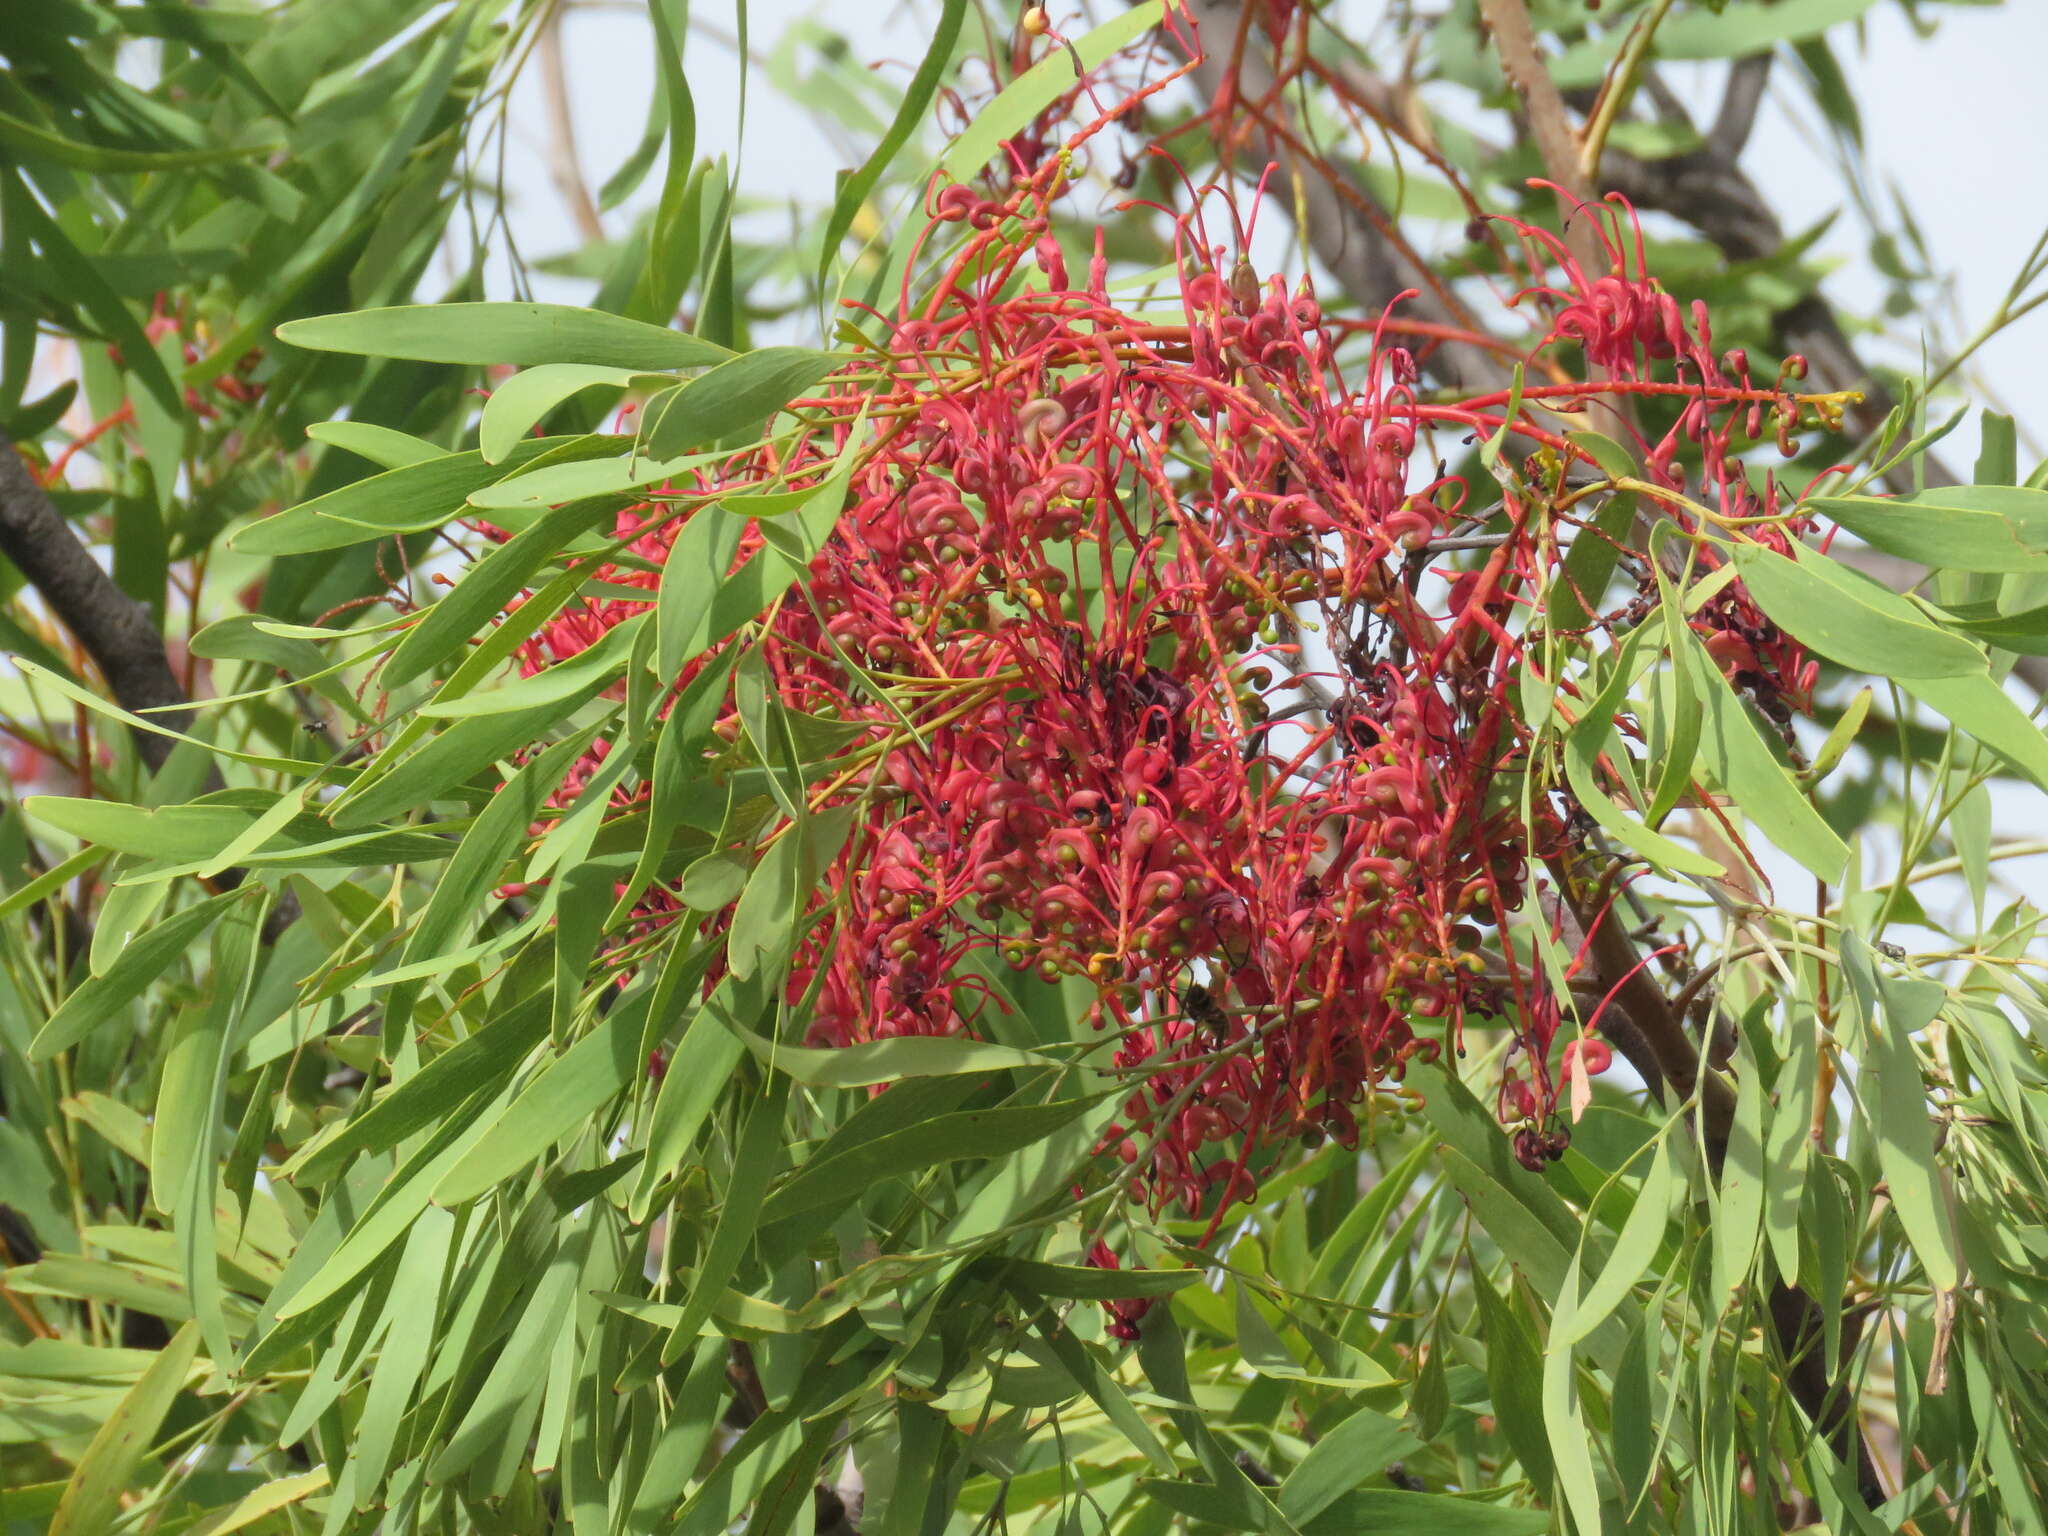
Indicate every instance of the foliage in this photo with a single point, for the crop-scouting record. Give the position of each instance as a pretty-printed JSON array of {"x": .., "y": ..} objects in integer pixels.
[{"x": 988, "y": 872}]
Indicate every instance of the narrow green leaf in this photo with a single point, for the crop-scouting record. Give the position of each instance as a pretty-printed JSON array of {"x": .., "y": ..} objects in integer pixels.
[
  {"x": 1039, "y": 86},
  {"x": 1100, "y": 1385},
  {"x": 600, "y": 664},
  {"x": 81, "y": 274},
  {"x": 765, "y": 922},
  {"x": 674, "y": 253},
  {"x": 526, "y": 397},
  {"x": 1515, "y": 1377},
  {"x": 1850, "y": 619},
  {"x": 384, "y": 447},
  {"x": 452, "y": 757},
  {"x": 1738, "y": 1219},
  {"x": 1084, "y": 1282},
  {"x": 390, "y": 1216},
  {"x": 556, "y": 1103},
  {"x": 408, "y": 500},
  {"x": 1596, "y": 548},
  {"x": 521, "y": 334},
  {"x": 1682, "y": 747},
  {"x": 884, "y": 1061},
  {"x": 1953, "y": 528},
  {"x": 708, "y": 1045},
  {"x": 484, "y": 590},
  {"x": 91, "y": 1501},
  {"x": 910, "y": 116},
  {"x": 1789, "y": 1141},
  {"x": 618, "y": 470},
  {"x": 1356, "y": 1448},
  {"x": 500, "y": 1416},
  {"x": 1733, "y": 752},
  {"x": 736, "y": 396},
  {"x": 1583, "y": 746},
  {"x": 1634, "y": 1247},
  {"x": 409, "y": 1318},
  {"x": 1981, "y": 708},
  {"x": 476, "y": 867},
  {"x": 1905, "y": 1134},
  {"x": 755, "y": 1158},
  {"x": 1842, "y": 736},
  {"x": 436, "y": 1090},
  {"x": 99, "y": 998},
  {"x": 698, "y": 569},
  {"x": 1385, "y": 1512},
  {"x": 840, "y": 1180},
  {"x": 1562, "y": 1418}
]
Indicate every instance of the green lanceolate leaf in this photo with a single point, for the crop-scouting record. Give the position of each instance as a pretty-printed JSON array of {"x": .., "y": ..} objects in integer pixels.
[
  {"x": 1952, "y": 528},
  {"x": 1036, "y": 89},
  {"x": 1739, "y": 1217},
  {"x": 91, "y": 1501},
  {"x": 385, "y": 447},
  {"x": 917, "y": 99},
  {"x": 1983, "y": 710},
  {"x": 881, "y": 1061},
  {"x": 408, "y": 500},
  {"x": 1356, "y": 1448},
  {"x": 1388, "y": 1513},
  {"x": 754, "y": 1161},
  {"x": 521, "y": 334},
  {"x": 1583, "y": 747},
  {"x": 705, "y": 1057},
  {"x": 556, "y": 1103},
  {"x": 484, "y": 590},
  {"x": 596, "y": 666},
  {"x": 1596, "y": 548},
  {"x": 736, "y": 396},
  {"x": 1682, "y": 742},
  {"x": 1642, "y": 1232},
  {"x": 489, "y": 1056},
  {"x": 1905, "y": 1133},
  {"x": 1083, "y": 1282},
  {"x": 1850, "y": 619},
  {"x": 697, "y": 573},
  {"x": 528, "y": 396},
  {"x": 841, "y": 1178},
  {"x": 1736, "y": 758},
  {"x": 99, "y": 998},
  {"x": 674, "y": 254}
]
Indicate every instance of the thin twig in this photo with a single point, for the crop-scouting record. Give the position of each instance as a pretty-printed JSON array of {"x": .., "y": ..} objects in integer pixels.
[
  {"x": 564, "y": 169},
  {"x": 1614, "y": 95},
  {"x": 1550, "y": 125}
]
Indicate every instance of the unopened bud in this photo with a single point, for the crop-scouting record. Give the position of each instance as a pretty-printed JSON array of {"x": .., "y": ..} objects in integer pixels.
[{"x": 1036, "y": 22}]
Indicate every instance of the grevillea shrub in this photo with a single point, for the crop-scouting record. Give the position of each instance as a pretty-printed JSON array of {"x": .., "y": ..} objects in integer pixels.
[
  {"x": 609, "y": 927},
  {"x": 1161, "y": 656}
]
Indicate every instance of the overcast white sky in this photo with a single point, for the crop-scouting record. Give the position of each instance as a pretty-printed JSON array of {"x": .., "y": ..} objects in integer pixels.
[{"x": 1957, "y": 121}]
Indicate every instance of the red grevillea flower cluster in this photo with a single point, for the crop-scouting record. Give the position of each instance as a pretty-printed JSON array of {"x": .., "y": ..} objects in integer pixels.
[
  {"x": 1174, "y": 681},
  {"x": 1623, "y": 323}
]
